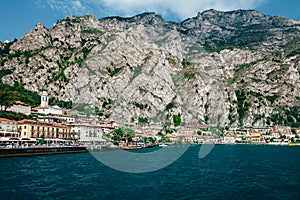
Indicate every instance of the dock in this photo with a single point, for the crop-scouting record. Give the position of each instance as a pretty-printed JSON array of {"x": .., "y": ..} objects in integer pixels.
[{"x": 15, "y": 152}]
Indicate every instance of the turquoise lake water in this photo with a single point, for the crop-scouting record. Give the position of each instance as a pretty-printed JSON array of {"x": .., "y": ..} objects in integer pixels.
[{"x": 227, "y": 172}]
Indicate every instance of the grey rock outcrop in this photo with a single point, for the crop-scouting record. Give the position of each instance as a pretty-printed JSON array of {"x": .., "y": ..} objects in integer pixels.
[{"x": 239, "y": 67}]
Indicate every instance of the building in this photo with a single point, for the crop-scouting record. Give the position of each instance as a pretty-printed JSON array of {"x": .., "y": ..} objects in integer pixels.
[
  {"x": 275, "y": 132},
  {"x": 263, "y": 130},
  {"x": 87, "y": 133},
  {"x": 194, "y": 125},
  {"x": 8, "y": 128},
  {"x": 66, "y": 118},
  {"x": 229, "y": 139},
  {"x": 45, "y": 109},
  {"x": 44, "y": 99},
  {"x": 255, "y": 137},
  {"x": 38, "y": 129},
  {"x": 57, "y": 118},
  {"x": 20, "y": 107},
  {"x": 108, "y": 126}
]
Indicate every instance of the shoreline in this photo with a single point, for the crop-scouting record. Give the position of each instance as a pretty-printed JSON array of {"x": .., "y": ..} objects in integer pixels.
[{"x": 36, "y": 151}]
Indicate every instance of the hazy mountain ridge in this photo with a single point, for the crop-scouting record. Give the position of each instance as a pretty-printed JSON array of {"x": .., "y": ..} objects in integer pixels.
[{"x": 218, "y": 67}]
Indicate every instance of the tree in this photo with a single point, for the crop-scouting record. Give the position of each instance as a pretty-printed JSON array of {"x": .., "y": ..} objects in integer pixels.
[
  {"x": 15, "y": 116},
  {"x": 123, "y": 133},
  {"x": 64, "y": 104},
  {"x": 117, "y": 136},
  {"x": 7, "y": 98},
  {"x": 160, "y": 133},
  {"x": 129, "y": 132},
  {"x": 177, "y": 120},
  {"x": 170, "y": 106},
  {"x": 143, "y": 120},
  {"x": 80, "y": 107},
  {"x": 99, "y": 112},
  {"x": 293, "y": 140},
  {"x": 149, "y": 139}
]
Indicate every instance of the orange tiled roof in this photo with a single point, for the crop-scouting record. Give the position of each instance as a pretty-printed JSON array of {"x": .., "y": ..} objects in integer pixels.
[
  {"x": 29, "y": 121},
  {"x": 20, "y": 103},
  {"x": 6, "y": 120},
  {"x": 42, "y": 107},
  {"x": 24, "y": 121}
]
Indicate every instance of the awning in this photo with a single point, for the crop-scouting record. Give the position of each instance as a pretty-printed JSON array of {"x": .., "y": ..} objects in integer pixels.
[
  {"x": 92, "y": 140},
  {"x": 29, "y": 139},
  {"x": 3, "y": 139},
  {"x": 55, "y": 140}
]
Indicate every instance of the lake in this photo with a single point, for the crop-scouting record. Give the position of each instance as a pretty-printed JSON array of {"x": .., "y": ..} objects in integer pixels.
[{"x": 227, "y": 172}]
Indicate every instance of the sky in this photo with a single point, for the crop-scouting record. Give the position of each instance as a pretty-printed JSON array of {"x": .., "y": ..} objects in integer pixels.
[{"x": 17, "y": 17}]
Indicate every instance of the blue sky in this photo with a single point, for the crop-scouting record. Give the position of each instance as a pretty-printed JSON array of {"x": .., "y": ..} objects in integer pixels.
[{"x": 20, "y": 16}]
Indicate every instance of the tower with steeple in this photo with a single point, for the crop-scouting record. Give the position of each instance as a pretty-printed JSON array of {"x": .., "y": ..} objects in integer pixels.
[{"x": 44, "y": 99}]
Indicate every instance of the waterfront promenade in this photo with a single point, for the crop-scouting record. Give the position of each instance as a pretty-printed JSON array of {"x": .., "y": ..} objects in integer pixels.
[{"x": 34, "y": 151}]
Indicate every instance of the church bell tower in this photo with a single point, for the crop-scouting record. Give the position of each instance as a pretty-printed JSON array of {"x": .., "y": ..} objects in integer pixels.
[{"x": 44, "y": 99}]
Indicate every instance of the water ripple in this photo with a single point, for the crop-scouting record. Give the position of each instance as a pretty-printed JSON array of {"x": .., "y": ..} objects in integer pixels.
[{"x": 228, "y": 172}]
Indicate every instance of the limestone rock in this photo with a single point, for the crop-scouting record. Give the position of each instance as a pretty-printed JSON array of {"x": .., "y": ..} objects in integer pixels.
[{"x": 238, "y": 67}]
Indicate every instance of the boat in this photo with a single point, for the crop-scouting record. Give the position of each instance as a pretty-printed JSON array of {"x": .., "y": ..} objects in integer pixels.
[
  {"x": 133, "y": 147},
  {"x": 163, "y": 145},
  {"x": 148, "y": 145},
  {"x": 294, "y": 144}
]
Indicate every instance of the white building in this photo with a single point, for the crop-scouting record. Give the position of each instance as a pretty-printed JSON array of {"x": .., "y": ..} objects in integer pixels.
[
  {"x": 8, "y": 128},
  {"x": 44, "y": 99},
  {"x": 57, "y": 118},
  {"x": 229, "y": 139},
  {"x": 20, "y": 107},
  {"x": 45, "y": 108},
  {"x": 67, "y": 118},
  {"x": 88, "y": 134},
  {"x": 55, "y": 110}
]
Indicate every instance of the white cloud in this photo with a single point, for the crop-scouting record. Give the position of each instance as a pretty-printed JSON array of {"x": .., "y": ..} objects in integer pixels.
[
  {"x": 68, "y": 7},
  {"x": 181, "y": 8},
  {"x": 176, "y": 9}
]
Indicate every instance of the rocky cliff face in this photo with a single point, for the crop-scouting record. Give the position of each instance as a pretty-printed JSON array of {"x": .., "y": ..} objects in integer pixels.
[{"x": 239, "y": 67}]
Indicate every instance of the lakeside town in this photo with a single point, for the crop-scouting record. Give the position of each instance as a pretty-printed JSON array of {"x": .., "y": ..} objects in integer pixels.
[{"x": 57, "y": 127}]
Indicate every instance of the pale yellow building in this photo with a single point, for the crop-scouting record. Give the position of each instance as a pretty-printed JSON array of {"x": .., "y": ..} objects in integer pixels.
[
  {"x": 256, "y": 137},
  {"x": 38, "y": 129}
]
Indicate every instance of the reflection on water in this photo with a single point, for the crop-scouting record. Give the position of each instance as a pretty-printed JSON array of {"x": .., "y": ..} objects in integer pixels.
[{"x": 228, "y": 171}]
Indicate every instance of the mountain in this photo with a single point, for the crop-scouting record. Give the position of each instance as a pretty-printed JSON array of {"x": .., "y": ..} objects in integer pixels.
[{"x": 223, "y": 68}]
